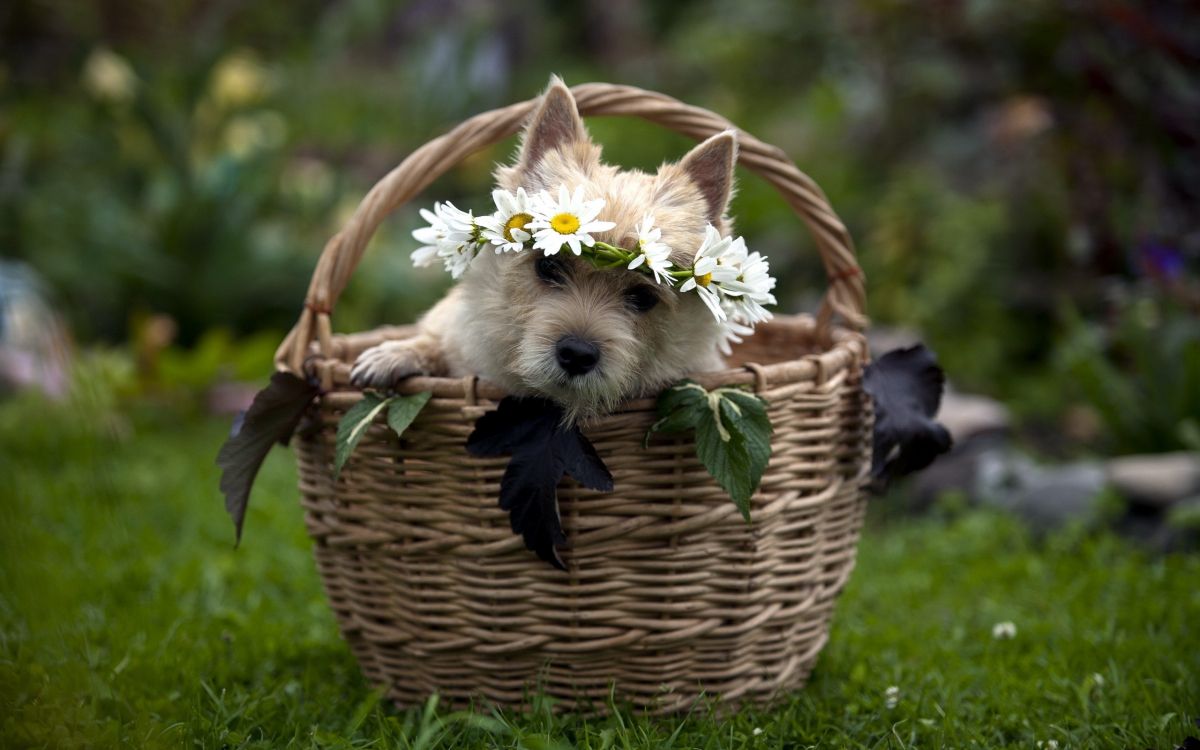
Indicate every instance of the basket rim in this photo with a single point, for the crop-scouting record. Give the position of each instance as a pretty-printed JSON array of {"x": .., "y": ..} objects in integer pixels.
[{"x": 848, "y": 349}]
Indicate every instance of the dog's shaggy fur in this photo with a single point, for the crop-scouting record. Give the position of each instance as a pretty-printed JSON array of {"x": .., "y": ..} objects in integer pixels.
[{"x": 504, "y": 322}]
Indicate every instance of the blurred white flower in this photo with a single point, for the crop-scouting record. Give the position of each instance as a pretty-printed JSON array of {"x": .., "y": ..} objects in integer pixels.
[
  {"x": 109, "y": 77},
  {"x": 757, "y": 731},
  {"x": 1004, "y": 630},
  {"x": 891, "y": 696}
]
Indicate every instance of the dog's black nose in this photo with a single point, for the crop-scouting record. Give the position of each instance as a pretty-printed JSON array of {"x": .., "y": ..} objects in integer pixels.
[{"x": 576, "y": 356}]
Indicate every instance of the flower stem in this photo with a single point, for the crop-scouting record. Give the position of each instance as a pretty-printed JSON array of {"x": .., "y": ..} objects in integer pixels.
[{"x": 613, "y": 252}]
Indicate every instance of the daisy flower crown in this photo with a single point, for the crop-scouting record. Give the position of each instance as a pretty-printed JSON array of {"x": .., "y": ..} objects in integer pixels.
[{"x": 734, "y": 284}]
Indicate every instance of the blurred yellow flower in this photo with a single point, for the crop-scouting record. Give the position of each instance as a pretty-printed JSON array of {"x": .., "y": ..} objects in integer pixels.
[
  {"x": 108, "y": 77},
  {"x": 249, "y": 134},
  {"x": 238, "y": 79}
]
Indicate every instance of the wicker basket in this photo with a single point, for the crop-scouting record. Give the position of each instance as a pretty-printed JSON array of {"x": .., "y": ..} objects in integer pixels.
[{"x": 669, "y": 595}]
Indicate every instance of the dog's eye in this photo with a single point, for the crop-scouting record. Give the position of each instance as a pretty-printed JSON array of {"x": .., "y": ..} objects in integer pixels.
[
  {"x": 641, "y": 298},
  {"x": 550, "y": 270}
]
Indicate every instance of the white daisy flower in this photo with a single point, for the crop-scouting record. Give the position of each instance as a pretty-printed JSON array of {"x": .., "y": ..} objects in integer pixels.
[
  {"x": 891, "y": 696},
  {"x": 452, "y": 235},
  {"x": 456, "y": 264},
  {"x": 753, "y": 278},
  {"x": 430, "y": 237},
  {"x": 745, "y": 277},
  {"x": 711, "y": 249},
  {"x": 709, "y": 297},
  {"x": 729, "y": 262},
  {"x": 652, "y": 251},
  {"x": 568, "y": 221},
  {"x": 748, "y": 310},
  {"x": 704, "y": 267},
  {"x": 508, "y": 228},
  {"x": 733, "y": 329}
]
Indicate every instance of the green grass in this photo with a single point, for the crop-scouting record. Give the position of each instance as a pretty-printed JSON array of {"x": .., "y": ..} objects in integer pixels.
[{"x": 128, "y": 619}]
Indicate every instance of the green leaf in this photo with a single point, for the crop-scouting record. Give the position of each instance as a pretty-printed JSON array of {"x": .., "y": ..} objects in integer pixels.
[
  {"x": 679, "y": 408},
  {"x": 726, "y": 461},
  {"x": 733, "y": 434},
  {"x": 686, "y": 393},
  {"x": 684, "y": 419},
  {"x": 756, "y": 429},
  {"x": 354, "y": 425},
  {"x": 404, "y": 409}
]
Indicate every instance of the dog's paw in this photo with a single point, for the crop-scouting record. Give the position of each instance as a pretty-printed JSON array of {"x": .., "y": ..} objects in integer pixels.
[{"x": 387, "y": 364}]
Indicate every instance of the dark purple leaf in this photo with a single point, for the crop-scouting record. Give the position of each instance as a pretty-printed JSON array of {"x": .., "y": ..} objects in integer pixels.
[
  {"x": 543, "y": 451},
  {"x": 271, "y": 418},
  {"x": 906, "y": 386}
]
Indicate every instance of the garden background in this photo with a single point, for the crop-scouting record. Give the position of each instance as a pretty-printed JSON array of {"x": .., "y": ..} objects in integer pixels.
[{"x": 1021, "y": 179}]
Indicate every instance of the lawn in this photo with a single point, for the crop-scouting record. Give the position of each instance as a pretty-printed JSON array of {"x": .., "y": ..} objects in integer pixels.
[{"x": 127, "y": 618}]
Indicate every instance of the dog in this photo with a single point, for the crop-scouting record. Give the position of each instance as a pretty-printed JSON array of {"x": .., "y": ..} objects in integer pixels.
[{"x": 555, "y": 326}]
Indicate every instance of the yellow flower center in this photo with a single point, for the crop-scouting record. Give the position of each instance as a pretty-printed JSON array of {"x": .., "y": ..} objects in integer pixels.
[
  {"x": 517, "y": 221},
  {"x": 704, "y": 280},
  {"x": 565, "y": 223}
]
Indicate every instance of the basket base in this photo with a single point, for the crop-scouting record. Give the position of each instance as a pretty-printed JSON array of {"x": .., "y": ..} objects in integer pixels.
[{"x": 758, "y": 666}]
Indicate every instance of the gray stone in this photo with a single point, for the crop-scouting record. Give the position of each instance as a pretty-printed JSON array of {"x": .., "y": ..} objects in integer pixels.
[
  {"x": 1046, "y": 497},
  {"x": 882, "y": 339},
  {"x": 1156, "y": 479},
  {"x": 966, "y": 416},
  {"x": 957, "y": 471}
]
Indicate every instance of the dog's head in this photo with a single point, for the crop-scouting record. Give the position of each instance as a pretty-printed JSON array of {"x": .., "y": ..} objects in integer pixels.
[{"x": 584, "y": 337}]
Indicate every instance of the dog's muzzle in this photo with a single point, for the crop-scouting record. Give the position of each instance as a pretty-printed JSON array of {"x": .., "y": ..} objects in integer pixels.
[{"x": 576, "y": 356}]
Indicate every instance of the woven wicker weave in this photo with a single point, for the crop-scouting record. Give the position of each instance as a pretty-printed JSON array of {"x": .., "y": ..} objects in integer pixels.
[{"x": 669, "y": 593}]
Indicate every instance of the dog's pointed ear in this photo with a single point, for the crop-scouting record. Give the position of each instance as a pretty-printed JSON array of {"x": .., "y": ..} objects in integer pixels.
[
  {"x": 555, "y": 124},
  {"x": 710, "y": 166}
]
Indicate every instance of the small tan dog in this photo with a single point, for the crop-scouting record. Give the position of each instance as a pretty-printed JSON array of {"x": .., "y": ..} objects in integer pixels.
[{"x": 555, "y": 326}]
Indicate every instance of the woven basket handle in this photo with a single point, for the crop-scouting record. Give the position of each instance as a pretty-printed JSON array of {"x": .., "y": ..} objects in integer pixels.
[{"x": 845, "y": 297}]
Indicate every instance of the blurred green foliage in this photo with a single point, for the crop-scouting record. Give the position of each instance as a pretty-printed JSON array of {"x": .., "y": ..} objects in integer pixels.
[
  {"x": 999, "y": 162},
  {"x": 1141, "y": 373}
]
